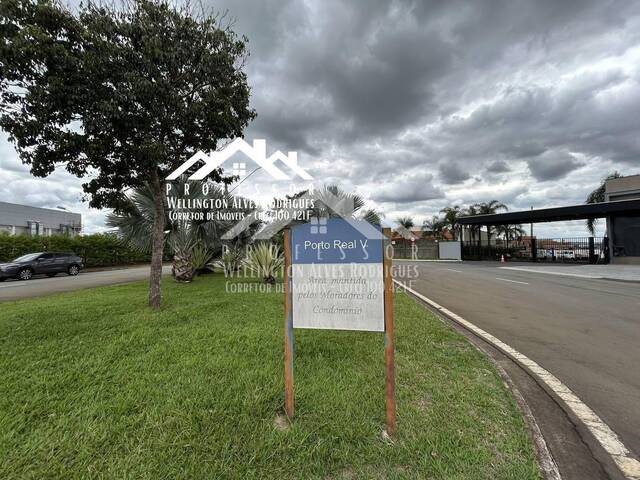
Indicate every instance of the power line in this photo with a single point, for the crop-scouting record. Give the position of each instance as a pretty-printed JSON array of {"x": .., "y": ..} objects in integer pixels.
[{"x": 240, "y": 183}]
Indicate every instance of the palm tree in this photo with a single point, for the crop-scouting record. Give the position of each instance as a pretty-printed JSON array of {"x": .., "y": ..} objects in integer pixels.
[
  {"x": 450, "y": 218},
  {"x": 471, "y": 211},
  {"x": 597, "y": 196},
  {"x": 490, "y": 208},
  {"x": 510, "y": 232},
  {"x": 373, "y": 216},
  {"x": 134, "y": 220},
  {"x": 435, "y": 225},
  {"x": 406, "y": 222},
  {"x": 182, "y": 242}
]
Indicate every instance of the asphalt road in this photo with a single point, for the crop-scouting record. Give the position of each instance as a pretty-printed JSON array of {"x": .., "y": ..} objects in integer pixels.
[
  {"x": 16, "y": 289},
  {"x": 584, "y": 331}
]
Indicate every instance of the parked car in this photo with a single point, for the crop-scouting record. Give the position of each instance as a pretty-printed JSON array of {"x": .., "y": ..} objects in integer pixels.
[
  {"x": 565, "y": 255},
  {"x": 556, "y": 254},
  {"x": 46, "y": 263}
]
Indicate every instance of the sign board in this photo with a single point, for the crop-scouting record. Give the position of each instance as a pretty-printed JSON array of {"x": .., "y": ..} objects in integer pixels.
[{"x": 337, "y": 276}]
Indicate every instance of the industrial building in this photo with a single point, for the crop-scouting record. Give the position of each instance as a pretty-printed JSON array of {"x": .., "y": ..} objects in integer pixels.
[{"x": 18, "y": 219}]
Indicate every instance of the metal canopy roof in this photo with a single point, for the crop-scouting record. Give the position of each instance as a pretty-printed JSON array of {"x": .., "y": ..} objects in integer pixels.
[{"x": 557, "y": 214}]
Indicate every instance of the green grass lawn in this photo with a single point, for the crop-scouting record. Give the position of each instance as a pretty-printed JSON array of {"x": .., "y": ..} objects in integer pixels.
[{"x": 94, "y": 385}]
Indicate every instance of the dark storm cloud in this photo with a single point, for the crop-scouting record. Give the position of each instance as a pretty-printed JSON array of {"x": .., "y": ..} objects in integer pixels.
[
  {"x": 389, "y": 88},
  {"x": 451, "y": 172},
  {"x": 552, "y": 166},
  {"x": 408, "y": 188},
  {"x": 499, "y": 166},
  {"x": 344, "y": 74}
]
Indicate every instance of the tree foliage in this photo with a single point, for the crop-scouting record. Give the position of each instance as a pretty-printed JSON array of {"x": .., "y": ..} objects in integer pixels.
[
  {"x": 125, "y": 93},
  {"x": 598, "y": 196},
  {"x": 406, "y": 222},
  {"x": 326, "y": 197},
  {"x": 489, "y": 208},
  {"x": 449, "y": 217},
  {"x": 511, "y": 232},
  {"x": 435, "y": 224}
]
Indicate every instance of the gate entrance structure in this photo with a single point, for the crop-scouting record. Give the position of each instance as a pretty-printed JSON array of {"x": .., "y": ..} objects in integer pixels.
[{"x": 621, "y": 245}]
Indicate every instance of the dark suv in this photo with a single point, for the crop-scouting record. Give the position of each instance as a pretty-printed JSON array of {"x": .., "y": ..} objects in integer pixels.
[{"x": 47, "y": 263}]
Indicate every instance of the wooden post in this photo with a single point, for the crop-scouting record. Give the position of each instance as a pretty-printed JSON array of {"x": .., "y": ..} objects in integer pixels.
[
  {"x": 288, "y": 329},
  {"x": 389, "y": 347}
]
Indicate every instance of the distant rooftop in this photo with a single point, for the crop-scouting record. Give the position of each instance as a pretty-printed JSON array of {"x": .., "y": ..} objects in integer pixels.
[{"x": 56, "y": 209}]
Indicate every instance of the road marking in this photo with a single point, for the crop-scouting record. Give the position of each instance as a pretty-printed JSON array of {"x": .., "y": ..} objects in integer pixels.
[
  {"x": 607, "y": 438},
  {"x": 512, "y": 281},
  {"x": 452, "y": 270},
  {"x": 433, "y": 260}
]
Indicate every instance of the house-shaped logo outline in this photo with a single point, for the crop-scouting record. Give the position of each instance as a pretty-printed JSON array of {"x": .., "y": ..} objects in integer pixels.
[{"x": 257, "y": 153}]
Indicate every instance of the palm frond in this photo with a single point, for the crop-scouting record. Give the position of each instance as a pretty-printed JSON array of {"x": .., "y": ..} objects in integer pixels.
[
  {"x": 598, "y": 196},
  {"x": 372, "y": 216}
]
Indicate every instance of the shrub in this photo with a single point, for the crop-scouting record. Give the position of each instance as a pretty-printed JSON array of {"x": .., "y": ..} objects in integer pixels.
[
  {"x": 200, "y": 256},
  {"x": 231, "y": 260},
  {"x": 97, "y": 250},
  {"x": 264, "y": 259}
]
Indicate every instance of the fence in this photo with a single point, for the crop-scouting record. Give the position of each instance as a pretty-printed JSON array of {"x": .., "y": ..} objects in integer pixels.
[{"x": 559, "y": 250}]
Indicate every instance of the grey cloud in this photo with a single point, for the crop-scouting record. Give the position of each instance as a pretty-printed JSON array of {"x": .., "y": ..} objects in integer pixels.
[
  {"x": 452, "y": 172},
  {"x": 552, "y": 165},
  {"x": 498, "y": 166},
  {"x": 390, "y": 88},
  {"x": 408, "y": 189}
]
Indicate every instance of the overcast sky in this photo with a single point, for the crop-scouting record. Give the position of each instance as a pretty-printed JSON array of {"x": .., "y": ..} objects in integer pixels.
[{"x": 418, "y": 105}]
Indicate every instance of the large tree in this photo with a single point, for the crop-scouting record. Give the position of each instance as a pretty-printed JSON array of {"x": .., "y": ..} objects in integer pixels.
[{"x": 120, "y": 95}]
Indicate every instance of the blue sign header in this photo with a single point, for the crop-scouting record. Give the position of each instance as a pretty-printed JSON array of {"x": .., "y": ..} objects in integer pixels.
[{"x": 336, "y": 240}]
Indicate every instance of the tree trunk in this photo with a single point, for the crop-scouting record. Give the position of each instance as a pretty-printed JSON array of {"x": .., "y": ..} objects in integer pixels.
[{"x": 157, "y": 242}]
